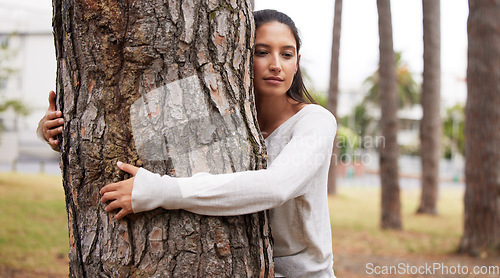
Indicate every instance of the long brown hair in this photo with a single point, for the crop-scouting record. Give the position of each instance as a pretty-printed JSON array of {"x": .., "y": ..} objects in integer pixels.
[{"x": 298, "y": 90}]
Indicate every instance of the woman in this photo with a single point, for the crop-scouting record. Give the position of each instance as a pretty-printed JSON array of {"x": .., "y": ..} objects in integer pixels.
[{"x": 299, "y": 139}]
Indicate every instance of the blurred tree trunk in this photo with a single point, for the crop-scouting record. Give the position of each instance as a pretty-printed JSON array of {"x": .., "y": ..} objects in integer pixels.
[
  {"x": 391, "y": 206},
  {"x": 333, "y": 91},
  {"x": 185, "y": 68},
  {"x": 482, "y": 131},
  {"x": 430, "y": 126}
]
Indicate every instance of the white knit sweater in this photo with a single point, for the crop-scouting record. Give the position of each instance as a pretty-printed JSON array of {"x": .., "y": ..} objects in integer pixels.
[{"x": 294, "y": 187}]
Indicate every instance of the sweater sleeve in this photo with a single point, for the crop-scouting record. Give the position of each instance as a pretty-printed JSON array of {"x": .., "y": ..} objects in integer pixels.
[{"x": 309, "y": 149}]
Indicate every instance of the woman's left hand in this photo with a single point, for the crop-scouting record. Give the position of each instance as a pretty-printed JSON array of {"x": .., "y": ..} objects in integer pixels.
[{"x": 120, "y": 193}]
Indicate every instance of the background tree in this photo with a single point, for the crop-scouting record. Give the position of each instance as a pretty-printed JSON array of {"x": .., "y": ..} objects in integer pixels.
[
  {"x": 407, "y": 89},
  {"x": 185, "y": 67},
  {"x": 333, "y": 90},
  {"x": 16, "y": 105},
  {"x": 347, "y": 143},
  {"x": 6, "y": 54},
  {"x": 453, "y": 131},
  {"x": 361, "y": 123},
  {"x": 407, "y": 93},
  {"x": 430, "y": 125},
  {"x": 391, "y": 205},
  {"x": 6, "y": 71},
  {"x": 482, "y": 131}
]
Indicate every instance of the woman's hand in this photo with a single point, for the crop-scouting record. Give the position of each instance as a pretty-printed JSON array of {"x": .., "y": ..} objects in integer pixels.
[
  {"x": 51, "y": 124},
  {"x": 120, "y": 193}
]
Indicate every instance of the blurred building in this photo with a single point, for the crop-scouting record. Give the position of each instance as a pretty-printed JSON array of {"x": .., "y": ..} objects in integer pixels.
[{"x": 28, "y": 32}]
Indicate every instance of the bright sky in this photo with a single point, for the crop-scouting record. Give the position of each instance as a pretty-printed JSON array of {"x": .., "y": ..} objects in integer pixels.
[{"x": 359, "y": 38}]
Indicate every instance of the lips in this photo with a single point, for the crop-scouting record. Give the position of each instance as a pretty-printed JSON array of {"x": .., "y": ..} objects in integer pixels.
[
  {"x": 273, "y": 79},
  {"x": 277, "y": 78}
]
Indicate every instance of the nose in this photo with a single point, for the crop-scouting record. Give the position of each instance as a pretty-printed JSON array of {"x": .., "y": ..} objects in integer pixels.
[{"x": 275, "y": 64}]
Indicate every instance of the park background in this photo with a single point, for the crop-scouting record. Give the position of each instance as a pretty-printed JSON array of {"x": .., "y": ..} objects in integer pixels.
[{"x": 33, "y": 240}]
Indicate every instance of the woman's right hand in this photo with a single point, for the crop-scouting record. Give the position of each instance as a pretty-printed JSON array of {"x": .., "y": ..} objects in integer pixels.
[{"x": 51, "y": 124}]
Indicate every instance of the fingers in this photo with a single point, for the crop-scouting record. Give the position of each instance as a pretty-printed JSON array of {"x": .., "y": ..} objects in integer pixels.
[
  {"x": 51, "y": 115},
  {"x": 108, "y": 188},
  {"x": 50, "y": 134},
  {"x": 127, "y": 168},
  {"x": 52, "y": 101},
  {"x": 51, "y": 124},
  {"x": 52, "y": 127},
  {"x": 116, "y": 204},
  {"x": 122, "y": 213},
  {"x": 120, "y": 195},
  {"x": 124, "y": 208},
  {"x": 54, "y": 144}
]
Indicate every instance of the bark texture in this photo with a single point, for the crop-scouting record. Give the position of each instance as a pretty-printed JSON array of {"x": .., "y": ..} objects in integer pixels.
[
  {"x": 482, "y": 132},
  {"x": 333, "y": 90},
  {"x": 430, "y": 125},
  {"x": 165, "y": 85},
  {"x": 391, "y": 206}
]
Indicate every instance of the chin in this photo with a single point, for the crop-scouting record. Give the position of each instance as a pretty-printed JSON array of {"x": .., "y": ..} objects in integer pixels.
[{"x": 273, "y": 93}]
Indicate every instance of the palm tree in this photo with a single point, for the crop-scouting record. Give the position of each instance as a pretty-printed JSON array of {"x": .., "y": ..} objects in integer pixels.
[
  {"x": 391, "y": 206},
  {"x": 482, "y": 131},
  {"x": 453, "y": 131},
  {"x": 334, "y": 88},
  {"x": 407, "y": 88},
  {"x": 430, "y": 126}
]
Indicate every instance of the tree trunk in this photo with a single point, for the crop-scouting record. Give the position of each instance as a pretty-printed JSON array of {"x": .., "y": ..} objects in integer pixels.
[
  {"x": 391, "y": 206},
  {"x": 333, "y": 91},
  {"x": 482, "y": 132},
  {"x": 165, "y": 85},
  {"x": 430, "y": 126}
]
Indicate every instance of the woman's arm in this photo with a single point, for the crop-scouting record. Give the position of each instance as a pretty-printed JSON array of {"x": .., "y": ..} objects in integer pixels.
[
  {"x": 236, "y": 193},
  {"x": 51, "y": 124}
]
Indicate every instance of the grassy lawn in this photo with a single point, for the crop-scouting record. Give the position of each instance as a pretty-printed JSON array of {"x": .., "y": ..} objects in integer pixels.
[
  {"x": 33, "y": 233},
  {"x": 355, "y": 214},
  {"x": 34, "y": 237}
]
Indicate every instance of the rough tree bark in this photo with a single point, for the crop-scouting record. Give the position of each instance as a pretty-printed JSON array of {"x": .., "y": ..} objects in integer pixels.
[
  {"x": 430, "y": 126},
  {"x": 333, "y": 91},
  {"x": 391, "y": 206},
  {"x": 482, "y": 132},
  {"x": 165, "y": 85}
]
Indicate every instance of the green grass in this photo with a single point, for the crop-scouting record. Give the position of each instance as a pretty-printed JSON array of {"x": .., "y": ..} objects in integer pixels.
[
  {"x": 355, "y": 214},
  {"x": 33, "y": 233}
]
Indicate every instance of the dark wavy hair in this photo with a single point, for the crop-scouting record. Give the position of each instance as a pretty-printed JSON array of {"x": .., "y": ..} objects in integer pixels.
[{"x": 298, "y": 90}]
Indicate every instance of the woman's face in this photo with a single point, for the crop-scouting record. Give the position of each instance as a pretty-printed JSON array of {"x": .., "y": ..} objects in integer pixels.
[{"x": 275, "y": 60}]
